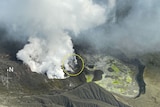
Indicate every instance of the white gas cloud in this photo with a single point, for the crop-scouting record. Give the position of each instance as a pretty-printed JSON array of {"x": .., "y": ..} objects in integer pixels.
[
  {"x": 133, "y": 27},
  {"x": 45, "y": 23},
  {"x": 128, "y": 25}
]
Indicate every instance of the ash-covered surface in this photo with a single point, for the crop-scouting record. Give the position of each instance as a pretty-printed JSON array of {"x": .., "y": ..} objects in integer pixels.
[
  {"x": 22, "y": 87},
  {"x": 104, "y": 59},
  {"x": 26, "y": 88},
  {"x": 117, "y": 27},
  {"x": 31, "y": 89}
]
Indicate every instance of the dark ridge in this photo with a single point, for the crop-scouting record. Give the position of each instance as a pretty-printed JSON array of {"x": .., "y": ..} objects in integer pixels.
[
  {"x": 86, "y": 95},
  {"x": 139, "y": 77}
]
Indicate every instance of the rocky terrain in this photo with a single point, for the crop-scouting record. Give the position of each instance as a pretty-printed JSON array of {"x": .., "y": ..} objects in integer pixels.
[{"x": 23, "y": 88}]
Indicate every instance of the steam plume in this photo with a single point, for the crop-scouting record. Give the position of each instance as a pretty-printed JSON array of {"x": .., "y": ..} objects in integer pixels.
[
  {"x": 45, "y": 23},
  {"x": 135, "y": 29},
  {"x": 128, "y": 25}
]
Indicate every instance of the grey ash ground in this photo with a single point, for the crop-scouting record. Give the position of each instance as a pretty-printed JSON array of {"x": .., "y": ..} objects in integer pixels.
[{"x": 26, "y": 88}]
